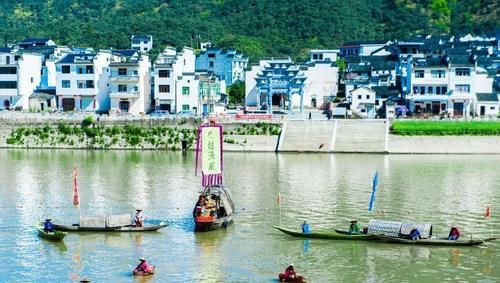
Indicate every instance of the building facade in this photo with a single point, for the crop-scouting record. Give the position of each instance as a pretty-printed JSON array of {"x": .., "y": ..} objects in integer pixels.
[
  {"x": 82, "y": 82},
  {"x": 228, "y": 64},
  {"x": 129, "y": 82},
  {"x": 141, "y": 43}
]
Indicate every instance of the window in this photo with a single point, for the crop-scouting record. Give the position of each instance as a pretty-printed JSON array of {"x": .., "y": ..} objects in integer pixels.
[
  {"x": 462, "y": 72},
  {"x": 145, "y": 49},
  {"x": 122, "y": 71},
  {"x": 211, "y": 55},
  {"x": 7, "y": 59},
  {"x": 66, "y": 69},
  {"x": 164, "y": 73},
  {"x": 8, "y": 85},
  {"x": 377, "y": 102},
  {"x": 122, "y": 88},
  {"x": 89, "y": 69},
  {"x": 165, "y": 88},
  {"x": 422, "y": 90},
  {"x": 32, "y": 79},
  {"x": 211, "y": 64},
  {"x": 136, "y": 88},
  {"x": 438, "y": 74},
  {"x": 315, "y": 56},
  {"x": 185, "y": 107},
  {"x": 359, "y": 96},
  {"x": 8, "y": 70},
  {"x": 66, "y": 84},
  {"x": 462, "y": 88},
  {"x": 136, "y": 73},
  {"x": 85, "y": 84},
  {"x": 419, "y": 73},
  {"x": 80, "y": 70},
  {"x": 430, "y": 90},
  {"x": 492, "y": 107},
  {"x": 185, "y": 90},
  {"x": 367, "y": 96}
]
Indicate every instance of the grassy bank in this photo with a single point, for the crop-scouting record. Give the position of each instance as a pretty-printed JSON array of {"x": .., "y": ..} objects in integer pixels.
[
  {"x": 442, "y": 128},
  {"x": 91, "y": 135}
]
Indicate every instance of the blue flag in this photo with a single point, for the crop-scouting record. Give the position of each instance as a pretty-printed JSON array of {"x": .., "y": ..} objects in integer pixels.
[{"x": 374, "y": 189}]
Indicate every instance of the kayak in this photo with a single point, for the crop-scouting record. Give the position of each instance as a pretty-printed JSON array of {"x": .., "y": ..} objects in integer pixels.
[
  {"x": 297, "y": 279},
  {"x": 142, "y": 273},
  {"x": 437, "y": 241},
  {"x": 328, "y": 234},
  {"x": 53, "y": 236},
  {"x": 126, "y": 228}
]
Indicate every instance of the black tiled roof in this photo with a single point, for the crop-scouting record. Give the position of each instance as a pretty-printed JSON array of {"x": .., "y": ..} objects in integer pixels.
[
  {"x": 70, "y": 58},
  {"x": 141, "y": 37},
  {"x": 126, "y": 52},
  {"x": 491, "y": 97},
  {"x": 5, "y": 49},
  {"x": 33, "y": 40}
]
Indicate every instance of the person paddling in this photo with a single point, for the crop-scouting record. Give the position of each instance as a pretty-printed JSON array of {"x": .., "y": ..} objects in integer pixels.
[
  {"x": 454, "y": 233},
  {"x": 306, "y": 229},
  {"x": 143, "y": 266},
  {"x": 48, "y": 226},
  {"x": 290, "y": 273},
  {"x": 354, "y": 228},
  {"x": 415, "y": 234},
  {"x": 139, "y": 218}
]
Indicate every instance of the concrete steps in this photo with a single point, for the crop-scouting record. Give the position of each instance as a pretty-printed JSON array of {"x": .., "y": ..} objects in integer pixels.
[
  {"x": 360, "y": 136},
  {"x": 307, "y": 136}
]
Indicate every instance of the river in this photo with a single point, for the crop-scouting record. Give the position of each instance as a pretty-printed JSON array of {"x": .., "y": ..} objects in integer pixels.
[{"x": 326, "y": 190}]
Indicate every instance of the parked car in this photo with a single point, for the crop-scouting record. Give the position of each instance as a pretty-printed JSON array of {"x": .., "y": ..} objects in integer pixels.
[
  {"x": 185, "y": 113},
  {"x": 160, "y": 113}
]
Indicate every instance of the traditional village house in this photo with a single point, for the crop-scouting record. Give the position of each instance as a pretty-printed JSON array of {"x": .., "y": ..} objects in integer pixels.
[
  {"x": 141, "y": 43},
  {"x": 176, "y": 84},
  {"x": 20, "y": 74},
  {"x": 363, "y": 102},
  {"x": 82, "y": 81},
  {"x": 228, "y": 64},
  {"x": 212, "y": 98},
  {"x": 129, "y": 82}
]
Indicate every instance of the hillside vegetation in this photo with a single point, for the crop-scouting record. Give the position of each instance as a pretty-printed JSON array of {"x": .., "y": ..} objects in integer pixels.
[{"x": 256, "y": 27}]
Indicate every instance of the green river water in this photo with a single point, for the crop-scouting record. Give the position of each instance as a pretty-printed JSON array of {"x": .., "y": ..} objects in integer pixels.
[{"x": 326, "y": 190}]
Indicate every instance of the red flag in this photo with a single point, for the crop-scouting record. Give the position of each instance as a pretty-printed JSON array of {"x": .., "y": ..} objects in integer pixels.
[
  {"x": 488, "y": 213},
  {"x": 76, "y": 194}
]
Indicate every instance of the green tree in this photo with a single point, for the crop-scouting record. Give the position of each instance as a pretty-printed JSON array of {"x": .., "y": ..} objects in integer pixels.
[{"x": 237, "y": 93}]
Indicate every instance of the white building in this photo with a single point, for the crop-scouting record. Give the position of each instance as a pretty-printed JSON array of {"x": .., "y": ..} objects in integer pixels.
[
  {"x": 20, "y": 74},
  {"x": 317, "y": 55},
  {"x": 176, "y": 85},
  {"x": 487, "y": 105},
  {"x": 129, "y": 82},
  {"x": 82, "y": 82},
  {"x": 363, "y": 101},
  {"x": 321, "y": 84},
  {"x": 142, "y": 43}
]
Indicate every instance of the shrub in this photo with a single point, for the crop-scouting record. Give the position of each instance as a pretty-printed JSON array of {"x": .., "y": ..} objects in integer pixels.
[
  {"x": 87, "y": 122},
  {"x": 64, "y": 129}
]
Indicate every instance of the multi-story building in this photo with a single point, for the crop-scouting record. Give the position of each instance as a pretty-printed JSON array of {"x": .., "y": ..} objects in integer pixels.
[
  {"x": 364, "y": 48},
  {"x": 320, "y": 55},
  {"x": 212, "y": 98},
  {"x": 228, "y": 64},
  {"x": 176, "y": 85},
  {"x": 20, "y": 74},
  {"x": 142, "y": 43},
  {"x": 82, "y": 81},
  {"x": 129, "y": 82}
]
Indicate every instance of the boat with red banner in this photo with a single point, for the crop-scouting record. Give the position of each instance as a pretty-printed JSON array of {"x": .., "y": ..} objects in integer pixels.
[{"x": 214, "y": 208}]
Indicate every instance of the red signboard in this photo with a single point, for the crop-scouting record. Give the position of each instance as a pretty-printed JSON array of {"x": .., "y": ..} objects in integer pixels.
[{"x": 254, "y": 116}]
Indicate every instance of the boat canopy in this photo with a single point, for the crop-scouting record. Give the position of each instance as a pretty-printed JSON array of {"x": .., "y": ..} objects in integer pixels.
[
  {"x": 398, "y": 228},
  {"x": 105, "y": 221}
]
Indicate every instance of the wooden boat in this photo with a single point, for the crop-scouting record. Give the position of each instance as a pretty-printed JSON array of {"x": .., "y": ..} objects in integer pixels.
[
  {"x": 142, "y": 273},
  {"x": 220, "y": 215},
  {"x": 126, "y": 228},
  {"x": 436, "y": 241},
  {"x": 53, "y": 236},
  {"x": 297, "y": 279},
  {"x": 328, "y": 234}
]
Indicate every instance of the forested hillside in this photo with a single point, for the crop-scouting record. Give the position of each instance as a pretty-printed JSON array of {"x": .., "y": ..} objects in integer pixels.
[{"x": 257, "y": 27}]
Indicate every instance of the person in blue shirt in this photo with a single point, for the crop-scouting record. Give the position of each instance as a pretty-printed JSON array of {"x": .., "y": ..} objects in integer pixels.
[
  {"x": 48, "y": 226},
  {"x": 305, "y": 228},
  {"x": 415, "y": 234}
]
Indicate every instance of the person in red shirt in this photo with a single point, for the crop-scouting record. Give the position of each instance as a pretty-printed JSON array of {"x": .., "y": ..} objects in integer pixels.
[
  {"x": 290, "y": 272},
  {"x": 454, "y": 233},
  {"x": 143, "y": 266}
]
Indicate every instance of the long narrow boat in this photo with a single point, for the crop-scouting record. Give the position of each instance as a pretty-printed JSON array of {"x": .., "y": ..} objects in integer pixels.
[
  {"x": 53, "y": 236},
  {"x": 126, "y": 228},
  {"x": 327, "y": 234},
  {"x": 436, "y": 241},
  {"x": 142, "y": 273}
]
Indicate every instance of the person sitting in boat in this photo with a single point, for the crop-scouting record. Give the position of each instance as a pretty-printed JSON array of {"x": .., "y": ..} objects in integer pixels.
[
  {"x": 139, "y": 218},
  {"x": 48, "y": 226},
  {"x": 143, "y": 266},
  {"x": 454, "y": 233},
  {"x": 199, "y": 205},
  {"x": 415, "y": 234},
  {"x": 290, "y": 273},
  {"x": 306, "y": 229},
  {"x": 354, "y": 228}
]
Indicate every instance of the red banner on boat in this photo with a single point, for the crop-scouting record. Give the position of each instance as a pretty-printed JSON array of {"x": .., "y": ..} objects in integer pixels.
[{"x": 76, "y": 194}]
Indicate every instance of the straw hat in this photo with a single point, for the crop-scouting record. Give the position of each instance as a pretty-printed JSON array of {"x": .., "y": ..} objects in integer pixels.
[{"x": 142, "y": 259}]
